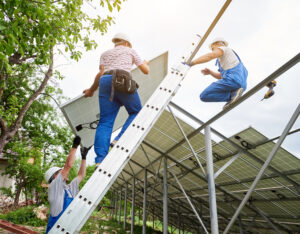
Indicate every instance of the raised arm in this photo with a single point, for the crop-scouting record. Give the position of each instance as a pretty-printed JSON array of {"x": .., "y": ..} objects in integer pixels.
[
  {"x": 71, "y": 158},
  {"x": 82, "y": 169},
  {"x": 90, "y": 92},
  {"x": 216, "y": 53}
]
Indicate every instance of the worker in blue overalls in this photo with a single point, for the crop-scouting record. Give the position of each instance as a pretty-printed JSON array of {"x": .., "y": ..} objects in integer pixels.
[
  {"x": 232, "y": 75},
  {"x": 60, "y": 194}
]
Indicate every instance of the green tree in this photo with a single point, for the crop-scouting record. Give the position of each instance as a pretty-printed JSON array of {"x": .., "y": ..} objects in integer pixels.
[
  {"x": 31, "y": 31},
  {"x": 27, "y": 175},
  {"x": 45, "y": 137}
]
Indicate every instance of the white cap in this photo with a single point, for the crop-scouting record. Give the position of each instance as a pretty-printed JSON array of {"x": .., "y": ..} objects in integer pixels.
[
  {"x": 50, "y": 172},
  {"x": 121, "y": 36},
  {"x": 218, "y": 39}
]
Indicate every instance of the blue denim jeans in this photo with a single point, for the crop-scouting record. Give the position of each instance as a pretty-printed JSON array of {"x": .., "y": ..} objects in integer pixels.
[{"x": 108, "y": 114}]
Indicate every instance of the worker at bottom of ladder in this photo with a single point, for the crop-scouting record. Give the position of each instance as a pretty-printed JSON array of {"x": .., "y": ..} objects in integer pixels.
[
  {"x": 121, "y": 57},
  {"x": 232, "y": 75},
  {"x": 61, "y": 194}
]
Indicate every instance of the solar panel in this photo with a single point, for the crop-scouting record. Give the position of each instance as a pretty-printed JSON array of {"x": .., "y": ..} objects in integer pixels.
[{"x": 84, "y": 112}]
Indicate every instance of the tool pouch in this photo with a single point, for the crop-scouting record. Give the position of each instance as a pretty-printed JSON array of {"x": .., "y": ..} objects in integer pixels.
[{"x": 121, "y": 81}]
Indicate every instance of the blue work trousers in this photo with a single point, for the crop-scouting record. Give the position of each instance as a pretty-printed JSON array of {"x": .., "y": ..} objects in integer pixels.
[
  {"x": 108, "y": 113},
  {"x": 219, "y": 91}
]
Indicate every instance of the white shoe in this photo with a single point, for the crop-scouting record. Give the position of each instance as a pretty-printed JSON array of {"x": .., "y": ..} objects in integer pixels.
[{"x": 237, "y": 94}]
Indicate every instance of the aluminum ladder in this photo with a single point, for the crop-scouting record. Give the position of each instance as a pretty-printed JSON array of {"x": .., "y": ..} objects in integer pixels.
[{"x": 96, "y": 187}]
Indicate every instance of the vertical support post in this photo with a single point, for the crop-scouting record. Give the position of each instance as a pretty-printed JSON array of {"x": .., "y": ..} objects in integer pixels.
[
  {"x": 120, "y": 207},
  {"x": 165, "y": 198},
  {"x": 211, "y": 183},
  {"x": 116, "y": 206},
  {"x": 153, "y": 218},
  {"x": 111, "y": 211},
  {"x": 266, "y": 164},
  {"x": 125, "y": 207},
  {"x": 139, "y": 215},
  {"x": 145, "y": 203},
  {"x": 240, "y": 225},
  {"x": 178, "y": 220},
  {"x": 132, "y": 206}
]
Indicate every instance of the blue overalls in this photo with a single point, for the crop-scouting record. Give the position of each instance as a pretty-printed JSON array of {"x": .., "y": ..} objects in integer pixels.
[
  {"x": 108, "y": 114},
  {"x": 52, "y": 220},
  {"x": 231, "y": 80}
]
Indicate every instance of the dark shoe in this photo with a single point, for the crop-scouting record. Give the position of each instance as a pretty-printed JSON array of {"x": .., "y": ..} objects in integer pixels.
[
  {"x": 113, "y": 143},
  {"x": 236, "y": 95},
  {"x": 96, "y": 167}
]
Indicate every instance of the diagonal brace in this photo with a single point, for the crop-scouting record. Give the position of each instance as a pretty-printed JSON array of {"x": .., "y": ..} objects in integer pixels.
[
  {"x": 187, "y": 140},
  {"x": 191, "y": 204}
]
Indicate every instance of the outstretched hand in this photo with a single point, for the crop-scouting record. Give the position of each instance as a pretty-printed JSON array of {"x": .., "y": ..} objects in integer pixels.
[
  {"x": 76, "y": 142},
  {"x": 206, "y": 71},
  {"x": 88, "y": 93},
  {"x": 84, "y": 151}
]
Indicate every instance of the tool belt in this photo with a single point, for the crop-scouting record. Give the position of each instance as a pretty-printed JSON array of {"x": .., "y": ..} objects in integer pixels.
[{"x": 121, "y": 81}]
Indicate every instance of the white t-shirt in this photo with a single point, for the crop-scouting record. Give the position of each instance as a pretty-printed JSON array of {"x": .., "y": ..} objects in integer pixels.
[
  {"x": 56, "y": 193},
  {"x": 228, "y": 60},
  {"x": 120, "y": 57}
]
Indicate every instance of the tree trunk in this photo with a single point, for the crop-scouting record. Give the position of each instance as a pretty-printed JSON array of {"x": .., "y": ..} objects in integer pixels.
[
  {"x": 18, "y": 193},
  {"x": 37, "y": 198},
  {"x": 26, "y": 198}
]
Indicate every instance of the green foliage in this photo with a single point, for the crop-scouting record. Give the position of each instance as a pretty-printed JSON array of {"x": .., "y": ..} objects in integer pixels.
[
  {"x": 24, "y": 215},
  {"x": 89, "y": 171},
  {"x": 28, "y": 176},
  {"x": 43, "y": 136},
  {"x": 28, "y": 29},
  {"x": 31, "y": 125},
  {"x": 7, "y": 191}
]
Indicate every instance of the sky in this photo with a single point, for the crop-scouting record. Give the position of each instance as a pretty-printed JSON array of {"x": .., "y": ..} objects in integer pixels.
[{"x": 265, "y": 34}]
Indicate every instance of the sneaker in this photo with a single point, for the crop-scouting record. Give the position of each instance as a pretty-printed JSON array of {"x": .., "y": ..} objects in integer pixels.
[
  {"x": 235, "y": 96},
  {"x": 113, "y": 143},
  {"x": 96, "y": 167}
]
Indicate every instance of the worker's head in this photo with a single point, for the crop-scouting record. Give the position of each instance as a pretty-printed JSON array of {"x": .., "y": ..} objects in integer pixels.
[
  {"x": 121, "y": 39},
  {"x": 217, "y": 42},
  {"x": 51, "y": 174}
]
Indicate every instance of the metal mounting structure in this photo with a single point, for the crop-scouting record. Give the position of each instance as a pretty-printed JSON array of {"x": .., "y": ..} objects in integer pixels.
[{"x": 190, "y": 199}]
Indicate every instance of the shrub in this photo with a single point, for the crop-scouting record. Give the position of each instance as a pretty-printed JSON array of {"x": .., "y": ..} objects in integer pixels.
[{"x": 24, "y": 215}]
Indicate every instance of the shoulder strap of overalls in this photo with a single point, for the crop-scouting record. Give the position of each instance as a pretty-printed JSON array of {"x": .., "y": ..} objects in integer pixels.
[
  {"x": 68, "y": 191},
  {"x": 218, "y": 63},
  {"x": 237, "y": 56}
]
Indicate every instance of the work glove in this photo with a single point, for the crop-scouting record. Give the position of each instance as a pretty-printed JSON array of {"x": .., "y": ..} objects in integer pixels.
[
  {"x": 84, "y": 151},
  {"x": 76, "y": 142}
]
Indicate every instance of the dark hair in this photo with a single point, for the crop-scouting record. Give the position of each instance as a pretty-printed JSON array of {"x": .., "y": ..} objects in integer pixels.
[
  {"x": 117, "y": 41},
  {"x": 53, "y": 176}
]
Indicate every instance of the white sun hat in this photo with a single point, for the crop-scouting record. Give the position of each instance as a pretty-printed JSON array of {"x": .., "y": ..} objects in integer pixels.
[
  {"x": 218, "y": 39},
  {"x": 121, "y": 36},
  {"x": 50, "y": 172}
]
